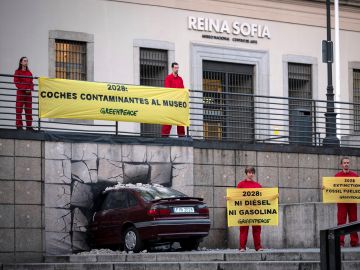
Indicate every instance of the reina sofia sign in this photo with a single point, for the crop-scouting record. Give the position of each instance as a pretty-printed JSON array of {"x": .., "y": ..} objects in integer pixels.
[{"x": 222, "y": 26}]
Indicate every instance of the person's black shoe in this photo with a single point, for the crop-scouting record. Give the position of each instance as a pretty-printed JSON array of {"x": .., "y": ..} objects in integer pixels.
[
  {"x": 19, "y": 128},
  {"x": 29, "y": 129}
]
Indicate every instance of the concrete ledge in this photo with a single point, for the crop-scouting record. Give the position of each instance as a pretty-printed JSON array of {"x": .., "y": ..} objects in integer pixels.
[
  {"x": 228, "y": 255},
  {"x": 110, "y": 138},
  {"x": 245, "y": 265}
]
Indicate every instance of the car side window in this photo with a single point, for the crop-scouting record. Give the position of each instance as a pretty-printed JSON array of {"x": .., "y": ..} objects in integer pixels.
[
  {"x": 115, "y": 200},
  {"x": 132, "y": 200},
  {"x": 105, "y": 205}
]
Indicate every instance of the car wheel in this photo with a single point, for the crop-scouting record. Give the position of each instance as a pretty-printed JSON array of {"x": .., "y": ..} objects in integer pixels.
[
  {"x": 190, "y": 244},
  {"x": 132, "y": 241}
]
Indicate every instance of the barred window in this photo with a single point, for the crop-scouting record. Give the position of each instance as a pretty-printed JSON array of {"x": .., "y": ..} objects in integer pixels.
[
  {"x": 356, "y": 98},
  {"x": 153, "y": 71},
  {"x": 70, "y": 60},
  {"x": 153, "y": 67},
  {"x": 300, "y": 82},
  {"x": 300, "y": 111}
]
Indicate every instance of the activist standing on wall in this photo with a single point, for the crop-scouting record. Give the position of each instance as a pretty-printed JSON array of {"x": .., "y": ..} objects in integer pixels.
[
  {"x": 248, "y": 182},
  {"x": 23, "y": 94},
  {"x": 347, "y": 209},
  {"x": 173, "y": 80}
]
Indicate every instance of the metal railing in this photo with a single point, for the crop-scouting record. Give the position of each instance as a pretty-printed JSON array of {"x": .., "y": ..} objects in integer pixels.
[
  {"x": 215, "y": 116},
  {"x": 267, "y": 119},
  {"x": 330, "y": 250}
]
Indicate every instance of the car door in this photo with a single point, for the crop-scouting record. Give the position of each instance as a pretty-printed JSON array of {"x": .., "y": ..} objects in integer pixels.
[
  {"x": 111, "y": 217},
  {"x": 137, "y": 212},
  {"x": 119, "y": 214},
  {"x": 102, "y": 221},
  {"x": 138, "y": 216}
]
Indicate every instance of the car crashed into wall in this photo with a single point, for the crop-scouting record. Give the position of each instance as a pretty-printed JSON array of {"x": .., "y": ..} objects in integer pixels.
[{"x": 137, "y": 217}]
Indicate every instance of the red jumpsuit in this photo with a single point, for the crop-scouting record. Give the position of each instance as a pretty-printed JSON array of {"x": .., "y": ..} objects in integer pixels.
[
  {"x": 244, "y": 230},
  {"x": 347, "y": 209},
  {"x": 23, "y": 97},
  {"x": 173, "y": 82}
]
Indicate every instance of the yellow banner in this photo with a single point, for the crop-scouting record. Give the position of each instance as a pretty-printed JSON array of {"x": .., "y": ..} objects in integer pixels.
[
  {"x": 59, "y": 98},
  {"x": 252, "y": 206},
  {"x": 341, "y": 189}
]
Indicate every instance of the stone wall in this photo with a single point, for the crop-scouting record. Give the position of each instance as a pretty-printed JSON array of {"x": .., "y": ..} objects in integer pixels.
[
  {"x": 21, "y": 201},
  {"x": 75, "y": 174},
  {"x": 47, "y": 190},
  {"x": 298, "y": 177}
]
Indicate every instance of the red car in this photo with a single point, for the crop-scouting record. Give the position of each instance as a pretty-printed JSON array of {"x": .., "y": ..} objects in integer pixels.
[{"x": 136, "y": 217}]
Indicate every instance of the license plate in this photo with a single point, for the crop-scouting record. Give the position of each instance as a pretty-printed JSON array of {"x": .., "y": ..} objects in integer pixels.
[{"x": 184, "y": 210}]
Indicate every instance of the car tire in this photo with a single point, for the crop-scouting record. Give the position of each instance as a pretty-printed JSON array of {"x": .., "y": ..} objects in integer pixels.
[
  {"x": 190, "y": 244},
  {"x": 132, "y": 241}
]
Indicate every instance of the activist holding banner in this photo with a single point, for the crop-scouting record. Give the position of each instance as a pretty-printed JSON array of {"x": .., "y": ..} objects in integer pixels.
[
  {"x": 173, "y": 80},
  {"x": 347, "y": 209},
  {"x": 251, "y": 205},
  {"x": 248, "y": 182}
]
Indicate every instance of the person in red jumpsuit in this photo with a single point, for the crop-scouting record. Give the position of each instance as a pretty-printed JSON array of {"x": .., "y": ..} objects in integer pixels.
[
  {"x": 23, "y": 94},
  {"x": 248, "y": 182},
  {"x": 173, "y": 80},
  {"x": 347, "y": 209}
]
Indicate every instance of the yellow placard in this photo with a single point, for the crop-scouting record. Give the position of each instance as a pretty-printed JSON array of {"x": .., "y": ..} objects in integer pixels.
[
  {"x": 252, "y": 206},
  {"x": 59, "y": 98},
  {"x": 341, "y": 189}
]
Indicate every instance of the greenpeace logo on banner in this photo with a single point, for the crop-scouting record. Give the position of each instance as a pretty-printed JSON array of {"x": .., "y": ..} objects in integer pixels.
[{"x": 250, "y": 30}]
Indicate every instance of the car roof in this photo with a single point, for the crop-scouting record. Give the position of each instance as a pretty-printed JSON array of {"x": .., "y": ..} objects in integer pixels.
[{"x": 137, "y": 186}]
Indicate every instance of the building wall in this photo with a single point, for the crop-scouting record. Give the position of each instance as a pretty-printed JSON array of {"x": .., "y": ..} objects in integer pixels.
[
  {"x": 296, "y": 29},
  {"x": 299, "y": 178},
  {"x": 48, "y": 187},
  {"x": 116, "y": 29},
  {"x": 21, "y": 201}
]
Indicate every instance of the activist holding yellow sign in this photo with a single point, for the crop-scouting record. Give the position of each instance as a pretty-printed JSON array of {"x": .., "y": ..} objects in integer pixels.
[
  {"x": 250, "y": 204},
  {"x": 341, "y": 189},
  {"x": 59, "y": 98},
  {"x": 344, "y": 189}
]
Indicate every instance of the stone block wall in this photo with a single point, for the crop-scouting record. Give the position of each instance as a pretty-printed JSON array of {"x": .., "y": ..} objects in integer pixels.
[
  {"x": 298, "y": 176},
  {"x": 47, "y": 190},
  {"x": 76, "y": 173},
  {"x": 21, "y": 201}
]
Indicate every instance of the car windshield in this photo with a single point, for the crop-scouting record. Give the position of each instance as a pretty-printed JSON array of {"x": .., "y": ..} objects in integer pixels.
[{"x": 155, "y": 193}]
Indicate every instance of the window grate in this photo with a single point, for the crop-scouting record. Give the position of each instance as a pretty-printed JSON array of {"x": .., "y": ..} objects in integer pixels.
[
  {"x": 300, "y": 111},
  {"x": 300, "y": 81},
  {"x": 356, "y": 98},
  {"x": 70, "y": 60},
  {"x": 153, "y": 71},
  {"x": 228, "y": 115},
  {"x": 214, "y": 100}
]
